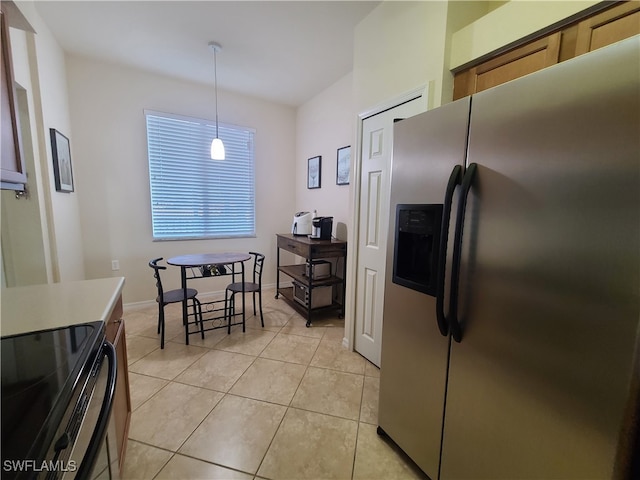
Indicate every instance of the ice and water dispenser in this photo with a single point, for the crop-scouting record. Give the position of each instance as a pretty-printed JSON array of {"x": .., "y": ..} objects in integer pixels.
[{"x": 417, "y": 242}]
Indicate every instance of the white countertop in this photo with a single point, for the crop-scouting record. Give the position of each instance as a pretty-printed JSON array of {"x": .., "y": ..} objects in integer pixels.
[{"x": 40, "y": 307}]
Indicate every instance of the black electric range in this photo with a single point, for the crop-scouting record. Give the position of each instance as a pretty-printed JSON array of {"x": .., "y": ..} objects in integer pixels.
[{"x": 43, "y": 374}]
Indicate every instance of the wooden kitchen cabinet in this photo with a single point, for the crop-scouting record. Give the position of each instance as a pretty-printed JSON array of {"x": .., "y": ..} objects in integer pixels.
[
  {"x": 311, "y": 250},
  {"x": 122, "y": 401},
  {"x": 13, "y": 174},
  {"x": 617, "y": 22},
  {"x": 607, "y": 27},
  {"x": 509, "y": 66}
]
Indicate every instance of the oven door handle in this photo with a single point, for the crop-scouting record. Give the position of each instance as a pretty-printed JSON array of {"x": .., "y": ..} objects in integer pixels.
[{"x": 100, "y": 431}]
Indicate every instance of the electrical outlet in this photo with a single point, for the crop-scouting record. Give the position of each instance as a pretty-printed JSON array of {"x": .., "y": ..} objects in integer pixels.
[{"x": 115, "y": 265}]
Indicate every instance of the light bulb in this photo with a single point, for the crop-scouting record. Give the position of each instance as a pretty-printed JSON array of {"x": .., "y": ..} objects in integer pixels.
[{"x": 217, "y": 149}]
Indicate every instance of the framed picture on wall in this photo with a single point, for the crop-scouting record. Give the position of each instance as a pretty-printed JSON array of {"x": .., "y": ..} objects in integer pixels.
[
  {"x": 314, "y": 172},
  {"x": 344, "y": 165},
  {"x": 62, "y": 170}
]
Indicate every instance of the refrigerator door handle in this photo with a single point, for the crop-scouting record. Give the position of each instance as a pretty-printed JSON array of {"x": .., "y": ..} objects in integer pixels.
[
  {"x": 454, "y": 324},
  {"x": 454, "y": 180}
]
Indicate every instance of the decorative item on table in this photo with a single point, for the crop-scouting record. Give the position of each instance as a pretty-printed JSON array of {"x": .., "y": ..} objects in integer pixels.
[
  {"x": 302, "y": 223},
  {"x": 343, "y": 166},
  {"x": 322, "y": 228},
  {"x": 212, "y": 270}
]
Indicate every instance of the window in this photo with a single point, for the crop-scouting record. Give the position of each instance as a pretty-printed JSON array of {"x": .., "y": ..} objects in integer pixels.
[{"x": 193, "y": 196}]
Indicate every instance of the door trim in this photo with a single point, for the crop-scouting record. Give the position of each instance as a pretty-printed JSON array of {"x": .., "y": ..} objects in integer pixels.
[
  {"x": 419, "y": 92},
  {"x": 422, "y": 92}
]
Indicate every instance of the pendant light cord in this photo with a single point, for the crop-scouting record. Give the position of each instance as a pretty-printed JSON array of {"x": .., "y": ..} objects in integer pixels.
[
  {"x": 215, "y": 82},
  {"x": 217, "y": 147}
]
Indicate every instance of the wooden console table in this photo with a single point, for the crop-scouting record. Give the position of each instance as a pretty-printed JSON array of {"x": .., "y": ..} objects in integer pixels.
[{"x": 300, "y": 295}]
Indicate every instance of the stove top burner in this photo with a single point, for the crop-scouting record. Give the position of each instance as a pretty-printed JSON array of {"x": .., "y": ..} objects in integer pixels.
[{"x": 40, "y": 371}]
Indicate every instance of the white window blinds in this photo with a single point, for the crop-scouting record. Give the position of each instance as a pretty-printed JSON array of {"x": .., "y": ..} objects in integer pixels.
[{"x": 193, "y": 196}]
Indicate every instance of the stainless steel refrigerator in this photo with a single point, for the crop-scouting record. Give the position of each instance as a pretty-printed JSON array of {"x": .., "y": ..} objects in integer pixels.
[{"x": 511, "y": 308}]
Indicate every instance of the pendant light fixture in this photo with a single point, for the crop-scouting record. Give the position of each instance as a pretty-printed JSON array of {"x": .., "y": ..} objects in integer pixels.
[{"x": 217, "y": 147}]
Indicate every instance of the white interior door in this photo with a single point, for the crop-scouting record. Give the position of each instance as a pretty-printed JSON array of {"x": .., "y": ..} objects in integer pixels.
[{"x": 373, "y": 225}]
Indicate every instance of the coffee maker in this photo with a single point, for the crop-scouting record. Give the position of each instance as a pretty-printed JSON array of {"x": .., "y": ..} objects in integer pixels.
[{"x": 322, "y": 227}]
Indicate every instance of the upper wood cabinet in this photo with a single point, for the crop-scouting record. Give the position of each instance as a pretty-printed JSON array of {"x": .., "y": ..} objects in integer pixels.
[
  {"x": 610, "y": 26},
  {"x": 620, "y": 21},
  {"x": 509, "y": 66}
]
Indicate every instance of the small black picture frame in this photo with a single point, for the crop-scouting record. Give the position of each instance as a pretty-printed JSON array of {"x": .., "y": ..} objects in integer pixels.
[
  {"x": 62, "y": 170},
  {"x": 343, "y": 165},
  {"x": 314, "y": 172}
]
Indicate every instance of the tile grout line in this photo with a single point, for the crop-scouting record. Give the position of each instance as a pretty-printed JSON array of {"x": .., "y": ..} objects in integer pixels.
[
  {"x": 288, "y": 406},
  {"x": 178, "y": 383},
  {"x": 225, "y": 394},
  {"x": 355, "y": 448},
  {"x": 153, "y": 395},
  {"x": 198, "y": 426},
  {"x": 173, "y": 454}
]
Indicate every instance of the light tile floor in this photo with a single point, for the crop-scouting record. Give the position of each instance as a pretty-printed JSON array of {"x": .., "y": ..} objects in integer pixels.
[{"x": 280, "y": 402}]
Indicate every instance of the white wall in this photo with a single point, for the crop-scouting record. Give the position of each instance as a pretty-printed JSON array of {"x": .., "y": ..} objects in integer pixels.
[
  {"x": 65, "y": 206},
  {"x": 508, "y": 23},
  {"x": 26, "y": 261},
  {"x": 323, "y": 125},
  {"x": 459, "y": 15},
  {"x": 41, "y": 71},
  {"x": 111, "y": 165},
  {"x": 401, "y": 46},
  {"x": 398, "y": 47}
]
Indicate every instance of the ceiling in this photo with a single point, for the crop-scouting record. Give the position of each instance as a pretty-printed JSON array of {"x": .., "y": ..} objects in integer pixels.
[{"x": 286, "y": 52}]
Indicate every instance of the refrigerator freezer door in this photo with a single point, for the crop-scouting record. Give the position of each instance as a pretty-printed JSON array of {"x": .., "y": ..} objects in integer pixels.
[
  {"x": 550, "y": 283},
  {"x": 414, "y": 353}
]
